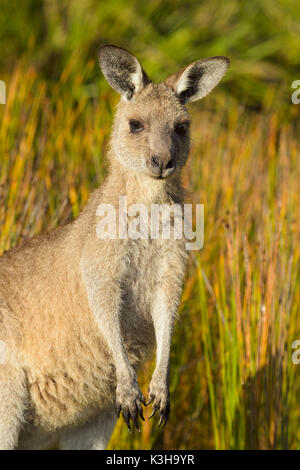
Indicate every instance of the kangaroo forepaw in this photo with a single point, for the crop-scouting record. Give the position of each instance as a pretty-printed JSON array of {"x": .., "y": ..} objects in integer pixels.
[
  {"x": 129, "y": 399},
  {"x": 160, "y": 399}
]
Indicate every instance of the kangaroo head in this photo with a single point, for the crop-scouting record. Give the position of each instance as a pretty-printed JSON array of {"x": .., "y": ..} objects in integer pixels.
[{"x": 151, "y": 128}]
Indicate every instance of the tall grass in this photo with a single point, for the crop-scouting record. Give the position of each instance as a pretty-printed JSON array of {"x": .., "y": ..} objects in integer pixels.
[{"x": 233, "y": 384}]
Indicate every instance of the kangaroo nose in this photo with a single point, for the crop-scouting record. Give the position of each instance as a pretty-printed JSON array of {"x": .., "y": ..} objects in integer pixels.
[
  {"x": 155, "y": 161},
  {"x": 163, "y": 166}
]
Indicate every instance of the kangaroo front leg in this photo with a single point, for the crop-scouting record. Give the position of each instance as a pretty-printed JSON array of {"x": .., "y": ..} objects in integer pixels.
[
  {"x": 159, "y": 385},
  {"x": 164, "y": 313},
  {"x": 104, "y": 298}
]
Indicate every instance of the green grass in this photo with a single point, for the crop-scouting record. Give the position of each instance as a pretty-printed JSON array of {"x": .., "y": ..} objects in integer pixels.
[
  {"x": 233, "y": 384},
  {"x": 261, "y": 37}
]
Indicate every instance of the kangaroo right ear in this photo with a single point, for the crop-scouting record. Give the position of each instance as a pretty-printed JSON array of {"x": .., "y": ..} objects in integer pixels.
[
  {"x": 197, "y": 79},
  {"x": 122, "y": 71}
]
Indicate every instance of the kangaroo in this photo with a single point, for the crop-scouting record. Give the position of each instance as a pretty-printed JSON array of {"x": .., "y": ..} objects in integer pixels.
[{"x": 79, "y": 315}]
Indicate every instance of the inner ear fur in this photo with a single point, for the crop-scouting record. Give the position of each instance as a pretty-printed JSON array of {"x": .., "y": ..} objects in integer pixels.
[
  {"x": 122, "y": 70},
  {"x": 196, "y": 80}
]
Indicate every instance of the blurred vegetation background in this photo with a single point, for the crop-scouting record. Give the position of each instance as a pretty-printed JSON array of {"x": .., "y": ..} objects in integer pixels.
[
  {"x": 260, "y": 37},
  {"x": 233, "y": 383}
]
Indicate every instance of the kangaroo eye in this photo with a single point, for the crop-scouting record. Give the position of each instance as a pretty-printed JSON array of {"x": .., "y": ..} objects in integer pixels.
[
  {"x": 182, "y": 128},
  {"x": 135, "y": 126}
]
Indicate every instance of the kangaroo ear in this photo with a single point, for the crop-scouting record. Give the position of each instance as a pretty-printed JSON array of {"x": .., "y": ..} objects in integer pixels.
[
  {"x": 197, "y": 79},
  {"x": 122, "y": 70}
]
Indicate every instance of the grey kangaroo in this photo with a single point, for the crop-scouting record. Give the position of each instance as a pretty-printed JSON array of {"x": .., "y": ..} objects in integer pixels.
[{"x": 79, "y": 315}]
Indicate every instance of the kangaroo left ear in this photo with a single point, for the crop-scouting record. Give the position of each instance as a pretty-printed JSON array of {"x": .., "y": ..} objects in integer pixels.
[{"x": 197, "y": 79}]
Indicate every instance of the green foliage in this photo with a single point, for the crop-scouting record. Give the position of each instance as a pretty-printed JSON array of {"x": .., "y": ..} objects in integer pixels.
[{"x": 260, "y": 37}]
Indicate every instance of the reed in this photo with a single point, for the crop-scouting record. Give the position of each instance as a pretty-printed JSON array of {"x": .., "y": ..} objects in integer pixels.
[{"x": 233, "y": 383}]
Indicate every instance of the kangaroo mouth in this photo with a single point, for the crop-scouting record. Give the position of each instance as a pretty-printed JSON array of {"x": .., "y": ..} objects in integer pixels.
[{"x": 157, "y": 177}]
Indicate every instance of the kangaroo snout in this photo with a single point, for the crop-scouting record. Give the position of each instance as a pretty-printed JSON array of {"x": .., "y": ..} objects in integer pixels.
[{"x": 162, "y": 166}]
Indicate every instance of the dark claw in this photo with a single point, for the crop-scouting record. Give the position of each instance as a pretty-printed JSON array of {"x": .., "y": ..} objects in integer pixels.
[
  {"x": 161, "y": 417},
  {"x": 127, "y": 419},
  {"x": 135, "y": 422},
  {"x": 118, "y": 410},
  {"x": 140, "y": 410},
  {"x": 151, "y": 398},
  {"x": 166, "y": 415},
  {"x": 165, "y": 421},
  {"x": 153, "y": 412}
]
